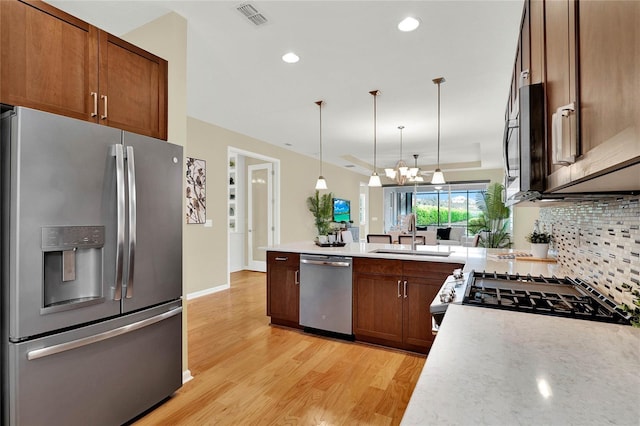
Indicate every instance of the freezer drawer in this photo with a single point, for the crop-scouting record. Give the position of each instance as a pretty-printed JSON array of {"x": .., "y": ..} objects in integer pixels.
[{"x": 104, "y": 374}]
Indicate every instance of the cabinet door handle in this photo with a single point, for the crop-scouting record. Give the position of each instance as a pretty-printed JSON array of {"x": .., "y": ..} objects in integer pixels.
[
  {"x": 557, "y": 130},
  {"x": 399, "y": 295},
  {"x": 282, "y": 259},
  {"x": 105, "y": 113},
  {"x": 405, "y": 289},
  {"x": 94, "y": 95},
  {"x": 524, "y": 75},
  {"x": 297, "y": 277}
]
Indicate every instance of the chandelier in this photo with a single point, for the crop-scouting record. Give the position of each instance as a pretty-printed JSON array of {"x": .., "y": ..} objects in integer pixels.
[{"x": 401, "y": 173}]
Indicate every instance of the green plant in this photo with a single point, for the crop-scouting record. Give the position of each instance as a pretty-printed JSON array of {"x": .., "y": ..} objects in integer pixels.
[
  {"x": 634, "y": 311},
  {"x": 538, "y": 238},
  {"x": 493, "y": 220},
  {"x": 428, "y": 215},
  {"x": 321, "y": 208}
]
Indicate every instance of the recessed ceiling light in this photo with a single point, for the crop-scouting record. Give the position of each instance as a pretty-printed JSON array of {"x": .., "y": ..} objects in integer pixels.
[
  {"x": 408, "y": 24},
  {"x": 290, "y": 58}
]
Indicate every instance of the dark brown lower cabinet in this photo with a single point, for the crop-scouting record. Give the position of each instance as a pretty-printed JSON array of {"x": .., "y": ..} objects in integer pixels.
[
  {"x": 283, "y": 288},
  {"x": 392, "y": 298}
]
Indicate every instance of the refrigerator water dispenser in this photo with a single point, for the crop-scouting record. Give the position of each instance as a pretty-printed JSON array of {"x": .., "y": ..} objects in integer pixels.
[{"x": 72, "y": 260}]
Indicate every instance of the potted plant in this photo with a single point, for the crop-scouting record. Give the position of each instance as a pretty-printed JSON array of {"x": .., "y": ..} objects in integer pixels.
[
  {"x": 539, "y": 243},
  {"x": 493, "y": 222},
  {"x": 634, "y": 310},
  {"x": 320, "y": 206}
]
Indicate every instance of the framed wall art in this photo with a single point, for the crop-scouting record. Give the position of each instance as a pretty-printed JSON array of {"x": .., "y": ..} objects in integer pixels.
[{"x": 196, "y": 190}]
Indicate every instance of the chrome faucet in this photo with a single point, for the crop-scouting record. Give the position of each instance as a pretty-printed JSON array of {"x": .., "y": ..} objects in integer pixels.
[{"x": 412, "y": 228}]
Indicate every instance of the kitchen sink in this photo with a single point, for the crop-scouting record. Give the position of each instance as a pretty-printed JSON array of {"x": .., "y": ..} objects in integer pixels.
[{"x": 413, "y": 252}]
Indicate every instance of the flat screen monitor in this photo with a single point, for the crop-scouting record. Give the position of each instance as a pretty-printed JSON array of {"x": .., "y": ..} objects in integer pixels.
[{"x": 341, "y": 210}]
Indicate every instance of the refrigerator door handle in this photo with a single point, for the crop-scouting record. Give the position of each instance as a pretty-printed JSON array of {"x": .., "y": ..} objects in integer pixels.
[
  {"x": 118, "y": 152},
  {"x": 133, "y": 211},
  {"x": 74, "y": 344}
]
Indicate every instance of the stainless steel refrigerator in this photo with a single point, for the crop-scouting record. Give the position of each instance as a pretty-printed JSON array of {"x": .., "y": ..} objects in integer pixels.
[{"x": 91, "y": 270}]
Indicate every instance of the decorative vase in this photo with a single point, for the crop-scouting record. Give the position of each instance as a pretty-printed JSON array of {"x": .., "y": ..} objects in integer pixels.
[{"x": 539, "y": 250}]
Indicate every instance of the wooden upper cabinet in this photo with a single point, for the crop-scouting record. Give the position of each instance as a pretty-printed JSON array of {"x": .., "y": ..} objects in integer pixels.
[
  {"x": 609, "y": 66},
  {"x": 133, "y": 85},
  {"x": 52, "y": 61},
  {"x": 561, "y": 82},
  {"x": 593, "y": 59},
  {"x": 535, "y": 11},
  {"x": 48, "y": 59}
]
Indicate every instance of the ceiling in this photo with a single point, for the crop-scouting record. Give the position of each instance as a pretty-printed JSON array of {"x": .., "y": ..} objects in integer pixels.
[{"x": 236, "y": 78}]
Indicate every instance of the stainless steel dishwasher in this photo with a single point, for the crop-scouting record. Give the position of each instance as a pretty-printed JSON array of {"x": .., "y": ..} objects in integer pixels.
[{"x": 325, "y": 294}]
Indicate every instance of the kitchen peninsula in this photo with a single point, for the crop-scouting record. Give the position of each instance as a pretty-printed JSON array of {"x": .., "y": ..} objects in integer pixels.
[
  {"x": 391, "y": 287},
  {"x": 473, "y": 258}
]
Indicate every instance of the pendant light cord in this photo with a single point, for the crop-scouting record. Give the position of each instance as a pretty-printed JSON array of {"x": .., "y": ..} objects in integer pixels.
[
  {"x": 438, "y": 125},
  {"x": 400, "y": 127},
  {"x": 319, "y": 103},
  {"x": 438, "y": 81},
  {"x": 375, "y": 114}
]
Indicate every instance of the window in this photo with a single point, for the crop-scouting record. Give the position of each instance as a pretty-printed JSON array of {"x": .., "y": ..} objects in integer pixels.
[{"x": 453, "y": 207}]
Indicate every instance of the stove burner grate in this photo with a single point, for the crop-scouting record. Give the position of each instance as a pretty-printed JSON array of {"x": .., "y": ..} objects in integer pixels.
[{"x": 542, "y": 295}]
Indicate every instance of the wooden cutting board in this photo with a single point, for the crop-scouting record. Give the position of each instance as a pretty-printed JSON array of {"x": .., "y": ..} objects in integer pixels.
[{"x": 537, "y": 259}]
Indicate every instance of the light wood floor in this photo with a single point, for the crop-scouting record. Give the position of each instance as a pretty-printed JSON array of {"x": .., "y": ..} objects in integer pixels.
[{"x": 247, "y": 372}]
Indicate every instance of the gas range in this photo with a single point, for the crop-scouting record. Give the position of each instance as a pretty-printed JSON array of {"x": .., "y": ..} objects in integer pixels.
[{"x": 565, "y": 297}]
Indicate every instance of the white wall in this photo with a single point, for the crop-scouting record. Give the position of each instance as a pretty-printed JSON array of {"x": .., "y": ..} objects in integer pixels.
[
  {"x": 524, "y": 217},
  {"x": 207, "y": 249}
]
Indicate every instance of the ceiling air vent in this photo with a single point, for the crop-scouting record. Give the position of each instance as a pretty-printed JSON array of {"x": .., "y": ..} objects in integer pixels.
[{"x": 252, "y": 13}]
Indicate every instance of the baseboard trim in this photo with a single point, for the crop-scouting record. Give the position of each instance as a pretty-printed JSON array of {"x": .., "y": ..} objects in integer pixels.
[
  {"x": 186, "y": 376},
  {"x": 208, "y": 291}
]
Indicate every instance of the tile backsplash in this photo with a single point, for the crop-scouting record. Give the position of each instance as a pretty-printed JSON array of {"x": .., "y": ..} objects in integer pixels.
[{"x": 600, "y": 242}]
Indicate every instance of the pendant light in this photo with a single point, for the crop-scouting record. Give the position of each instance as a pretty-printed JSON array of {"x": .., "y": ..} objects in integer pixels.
[
  {"x": 401, "y": 171},
  {"x": 321, "y": 183},
  {"x": 374, "y": 180},
  {"x": 438, "y": 176}
]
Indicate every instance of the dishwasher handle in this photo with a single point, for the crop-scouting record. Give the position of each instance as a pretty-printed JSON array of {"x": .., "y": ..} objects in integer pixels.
[{"x": 326, "y": 263}]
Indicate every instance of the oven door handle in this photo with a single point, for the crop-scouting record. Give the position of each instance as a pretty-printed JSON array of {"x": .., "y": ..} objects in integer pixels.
[{"x": 434, "y": 326}]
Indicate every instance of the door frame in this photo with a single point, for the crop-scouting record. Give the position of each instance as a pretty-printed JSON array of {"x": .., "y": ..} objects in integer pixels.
[
  {"x": 257, "y": 265},
  {"x": 231, "y": 150}
]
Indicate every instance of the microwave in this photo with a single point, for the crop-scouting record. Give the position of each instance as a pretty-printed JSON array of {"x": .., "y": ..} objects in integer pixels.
[{"x": 525, "y": 147}]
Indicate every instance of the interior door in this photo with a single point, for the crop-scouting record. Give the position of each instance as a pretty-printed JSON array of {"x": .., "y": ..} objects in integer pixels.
[
  {"x": 154, "y": 238},
  {"x": 260, "y": 214}
]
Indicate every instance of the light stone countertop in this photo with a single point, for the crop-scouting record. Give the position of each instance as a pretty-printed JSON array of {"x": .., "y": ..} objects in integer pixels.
[
  {"x": 474, "y": 258},
  {"x": 495, "y": 367}
]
